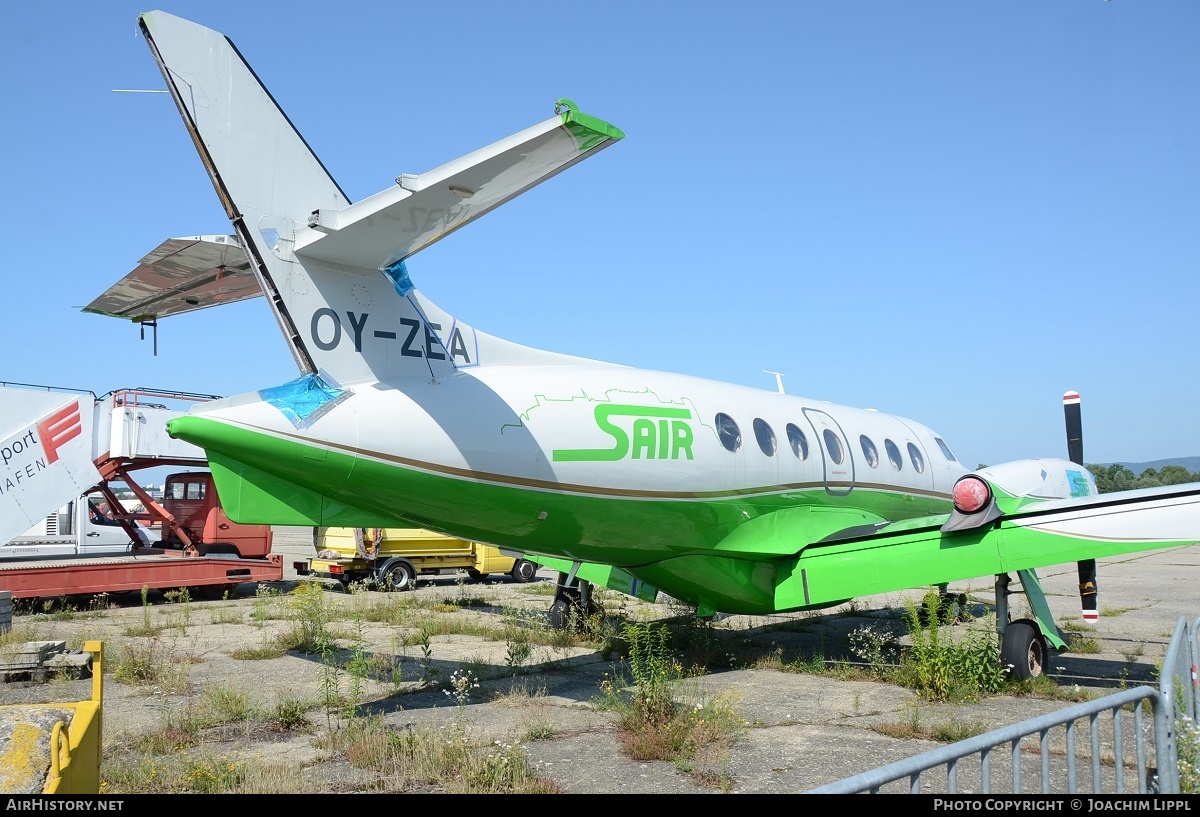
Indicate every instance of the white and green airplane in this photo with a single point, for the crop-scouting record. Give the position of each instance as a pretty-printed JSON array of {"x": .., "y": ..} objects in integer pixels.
[{"x": 731, "y": 499}]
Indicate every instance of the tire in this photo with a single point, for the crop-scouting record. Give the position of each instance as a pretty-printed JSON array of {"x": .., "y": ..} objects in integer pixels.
[
  {"x": 475, "y": 575},
  {"x": 398, "y": 576},
  {"x": 523, "y": 571},
  {"x": 560, "y": 614},
  {"x": 1023, "y": 649}
]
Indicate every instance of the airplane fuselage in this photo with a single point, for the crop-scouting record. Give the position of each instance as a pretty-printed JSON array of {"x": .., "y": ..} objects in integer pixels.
[{"x": 595, "y": 463}]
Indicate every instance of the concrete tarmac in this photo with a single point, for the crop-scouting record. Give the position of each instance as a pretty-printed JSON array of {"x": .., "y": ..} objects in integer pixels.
[{"x": 805, "y": 730}]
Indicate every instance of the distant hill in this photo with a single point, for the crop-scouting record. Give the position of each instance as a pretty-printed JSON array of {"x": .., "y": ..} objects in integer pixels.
[{"x": 1192, "y": 464}]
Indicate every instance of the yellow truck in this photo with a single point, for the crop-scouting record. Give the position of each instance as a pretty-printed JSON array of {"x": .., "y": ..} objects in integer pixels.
[{"x": 393, "y": 558}]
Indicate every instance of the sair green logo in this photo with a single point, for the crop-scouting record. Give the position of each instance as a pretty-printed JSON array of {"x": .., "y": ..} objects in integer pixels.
[{"x": 654, "y": 434}]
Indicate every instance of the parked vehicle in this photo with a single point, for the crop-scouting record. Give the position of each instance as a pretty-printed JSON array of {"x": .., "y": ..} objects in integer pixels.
[
  {"x": 393, "y": 558},
  {"x": 85, "y": 526}
]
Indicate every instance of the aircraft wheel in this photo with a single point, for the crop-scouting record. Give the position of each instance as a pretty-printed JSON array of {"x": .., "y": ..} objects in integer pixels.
[
  {"x": 1023, "y": 649},
  {"x": 560, "y": 613},
  {"x": 567, "y": 613},
  {"x": 523, "y": 571},
  {"x": 399, "y": 576}
]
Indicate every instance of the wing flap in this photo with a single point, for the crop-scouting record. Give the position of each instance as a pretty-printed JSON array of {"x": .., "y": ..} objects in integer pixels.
[
  {"x": 181, "y": 275},
  {"x": 396, "y": 223}
]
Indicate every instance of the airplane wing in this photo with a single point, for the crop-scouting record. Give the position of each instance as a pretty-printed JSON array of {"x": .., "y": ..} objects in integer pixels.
[
  {"x": 1013, "y": 535},
  {"x": 396, "y": 223},
  {"x": 181, "y": 275}
]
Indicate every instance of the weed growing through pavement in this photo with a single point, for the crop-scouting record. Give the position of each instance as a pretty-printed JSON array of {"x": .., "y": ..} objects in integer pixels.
[
  {"x": 428, "y": 672},
  {"x": 331, "y": 685},
  {"x": 519, "y": 649},
  {"x": 444, "y": 759},
  {"x": 264, "y": 598},
  {"x": 654, "y": 725},
  {"x": 183, "y": 617},
  {"x": 1188, "y": 742},
  {"x": 878, "y": 646},
  {"x": 146, "y": 627},
  {"x": 309, "y": 626},
  {"x": 459, "y": 691},
  {"x": 150, "y": 662},
  {"x": 943, "y": 667},
  {"x": 359, "y": 669}
]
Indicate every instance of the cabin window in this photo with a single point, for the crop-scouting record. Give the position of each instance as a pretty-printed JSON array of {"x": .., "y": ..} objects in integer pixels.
[
  {"x": 99, "y": 512},
  {"x": 186, "y": 490},
  {"x": 765, "y": 435},
  {"x": 798, "y": 440},
  {"x": 834, "y": 446},
  {"x": 918, "y": 461},
  {"x": 945, "y": 449},
  {"x": 728, "y": 432},
  {"x": 869, "y": 451},
  {"x": 893, "y": 452}
]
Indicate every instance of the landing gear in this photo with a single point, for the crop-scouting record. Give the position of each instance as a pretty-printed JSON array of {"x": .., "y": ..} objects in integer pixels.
[
  {"x": 573, "y": 604},
  {"x": 1025, "y": 643},
  {"x": 1023, "y": 649}
]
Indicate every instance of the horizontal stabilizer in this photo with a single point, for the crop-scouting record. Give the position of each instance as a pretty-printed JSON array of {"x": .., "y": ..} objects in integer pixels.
[
  {"x": 181, "y": 275},
  {"x": 392, "y": 225}
]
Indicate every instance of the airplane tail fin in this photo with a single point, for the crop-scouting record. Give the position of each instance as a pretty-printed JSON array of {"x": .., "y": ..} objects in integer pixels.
[{"x": 334, "y": 271}]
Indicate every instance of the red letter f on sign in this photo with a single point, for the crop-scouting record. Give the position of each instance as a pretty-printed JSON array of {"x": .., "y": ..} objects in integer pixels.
[{"x": 59, "y": 428}]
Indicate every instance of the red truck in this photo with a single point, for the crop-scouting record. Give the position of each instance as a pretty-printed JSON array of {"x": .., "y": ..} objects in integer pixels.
[{"x": 191, "y": 544}]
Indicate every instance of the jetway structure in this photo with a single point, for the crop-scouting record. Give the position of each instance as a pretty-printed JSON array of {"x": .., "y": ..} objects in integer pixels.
[{"x": 57, "y": 444}]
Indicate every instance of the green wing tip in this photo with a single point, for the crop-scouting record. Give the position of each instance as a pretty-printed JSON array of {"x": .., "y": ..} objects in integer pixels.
[{"x": 570, "y": 113}]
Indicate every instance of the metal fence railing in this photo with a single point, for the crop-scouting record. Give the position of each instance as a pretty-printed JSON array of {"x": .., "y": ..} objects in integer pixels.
[{"x": 1124, "y": 751}]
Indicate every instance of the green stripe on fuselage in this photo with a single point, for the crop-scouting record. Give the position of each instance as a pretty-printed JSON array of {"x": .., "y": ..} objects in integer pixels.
[{"x": 684, "y": 545}]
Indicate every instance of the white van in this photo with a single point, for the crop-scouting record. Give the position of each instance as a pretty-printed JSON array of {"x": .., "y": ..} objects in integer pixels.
[{"x": 82, "y": 527}]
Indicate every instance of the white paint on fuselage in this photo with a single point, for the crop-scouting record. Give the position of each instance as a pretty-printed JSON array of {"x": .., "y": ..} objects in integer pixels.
[{"x": 507, "y": 422}]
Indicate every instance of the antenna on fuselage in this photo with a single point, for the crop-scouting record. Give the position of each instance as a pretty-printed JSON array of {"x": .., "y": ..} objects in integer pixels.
[{"x": 778, "y": 379}]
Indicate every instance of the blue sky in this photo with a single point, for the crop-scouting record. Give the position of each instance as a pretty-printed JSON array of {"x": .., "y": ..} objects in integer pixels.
[{"x": 953, "y": 211}]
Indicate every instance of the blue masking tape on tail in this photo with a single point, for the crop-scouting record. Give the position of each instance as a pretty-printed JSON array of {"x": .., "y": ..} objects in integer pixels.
[
  {"x": 398, "y": 274},
  {"x": 304, "y": 400}
]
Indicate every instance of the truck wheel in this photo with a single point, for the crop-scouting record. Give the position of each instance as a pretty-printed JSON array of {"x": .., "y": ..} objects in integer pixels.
[
  {"x": 523, "y": 571},
  {"x": 399, "y": 576},
  {"x": 475, "y": 576}
]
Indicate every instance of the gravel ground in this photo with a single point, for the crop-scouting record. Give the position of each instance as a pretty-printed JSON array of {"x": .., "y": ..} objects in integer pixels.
[{"x": 802, "y": 730}]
